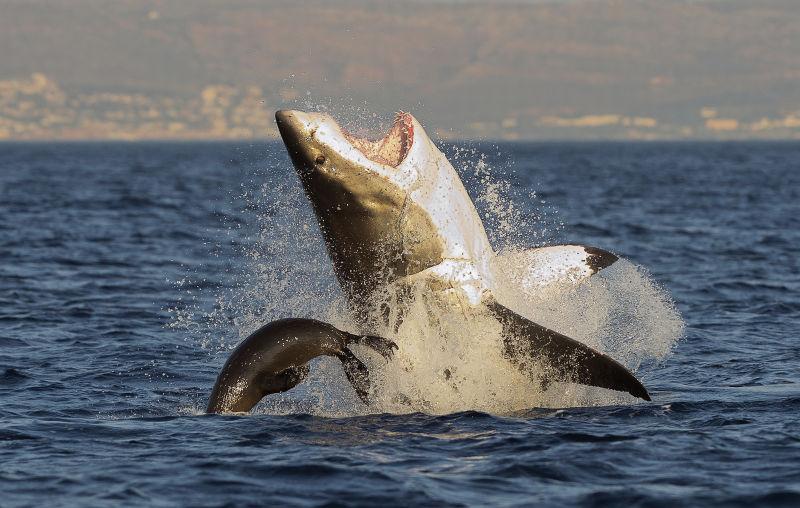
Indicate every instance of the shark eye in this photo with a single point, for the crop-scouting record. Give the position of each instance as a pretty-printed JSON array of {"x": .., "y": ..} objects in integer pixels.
[{"x": 320, "y": 159}]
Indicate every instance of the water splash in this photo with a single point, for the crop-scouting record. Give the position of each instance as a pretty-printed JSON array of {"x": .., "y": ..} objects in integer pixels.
[{"x": 453, "y": 360}]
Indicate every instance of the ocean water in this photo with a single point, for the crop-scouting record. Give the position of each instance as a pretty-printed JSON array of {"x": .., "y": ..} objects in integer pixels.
[{"x": 129, "y": 271}]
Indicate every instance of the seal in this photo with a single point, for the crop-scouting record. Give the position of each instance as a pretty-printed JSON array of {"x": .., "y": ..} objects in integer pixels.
[
  {"x": 394, "y": 214},
  {"x": 275, "y": 359}
]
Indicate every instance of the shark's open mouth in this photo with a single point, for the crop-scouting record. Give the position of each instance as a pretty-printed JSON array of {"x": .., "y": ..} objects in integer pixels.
[{"x": 390, "y": 149}]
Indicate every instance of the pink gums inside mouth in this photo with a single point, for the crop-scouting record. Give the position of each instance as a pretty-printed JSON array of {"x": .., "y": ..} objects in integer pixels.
[{"x": 390, "y": 149}]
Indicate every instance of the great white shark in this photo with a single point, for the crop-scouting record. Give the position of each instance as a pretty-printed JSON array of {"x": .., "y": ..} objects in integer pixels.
[{"x": 395, "y": 215}]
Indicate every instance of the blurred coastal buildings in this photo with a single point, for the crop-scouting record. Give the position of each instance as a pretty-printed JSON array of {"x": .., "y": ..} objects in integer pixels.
[
  {"x": 37, "y": 108},
  {"x": 488, "y": 69}
]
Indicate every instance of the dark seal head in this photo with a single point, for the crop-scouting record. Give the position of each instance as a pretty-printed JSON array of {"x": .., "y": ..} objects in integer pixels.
[{"x": 274, "y": 359}]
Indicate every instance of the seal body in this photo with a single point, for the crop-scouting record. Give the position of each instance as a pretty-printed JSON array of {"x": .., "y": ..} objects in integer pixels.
[{"x": 274, "y": 359}]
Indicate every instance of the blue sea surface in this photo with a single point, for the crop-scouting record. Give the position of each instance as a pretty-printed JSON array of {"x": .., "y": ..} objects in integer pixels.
[{"x": 101, "y": 394}]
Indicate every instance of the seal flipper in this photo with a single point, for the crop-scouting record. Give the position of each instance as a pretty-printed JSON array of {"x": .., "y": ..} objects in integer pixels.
[
  {"x": 383, "y": 346},
  {"x": 567, "y": 359},
  {"x": 357, "y": 373}
]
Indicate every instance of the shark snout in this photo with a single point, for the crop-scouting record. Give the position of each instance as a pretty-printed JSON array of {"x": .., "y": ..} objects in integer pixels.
[
  {"x": 285, "y": 115},
  {"x": 290, "y": 124},
  {"x": 295, "y": 130}
]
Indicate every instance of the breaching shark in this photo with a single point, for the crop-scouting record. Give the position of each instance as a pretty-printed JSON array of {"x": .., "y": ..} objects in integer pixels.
[{"x": 395, "y": 216}]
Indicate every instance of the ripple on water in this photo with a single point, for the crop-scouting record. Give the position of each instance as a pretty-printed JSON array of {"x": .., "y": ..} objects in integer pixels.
[{"x": 102, "y": 402}]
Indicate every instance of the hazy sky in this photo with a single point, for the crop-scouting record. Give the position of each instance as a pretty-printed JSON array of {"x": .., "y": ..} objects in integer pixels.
[{"x": 508, "y": 69}]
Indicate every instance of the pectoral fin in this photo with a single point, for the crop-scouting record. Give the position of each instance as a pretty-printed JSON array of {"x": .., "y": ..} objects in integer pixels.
[
  {"x": 566, "y": 359},
  {"x": 356, "y": 372},
  {"x": 555, "y": 264}
]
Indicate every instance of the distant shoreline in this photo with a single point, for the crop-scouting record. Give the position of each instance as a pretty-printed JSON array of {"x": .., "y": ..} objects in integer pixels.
[{"x": 237, "y": 141}]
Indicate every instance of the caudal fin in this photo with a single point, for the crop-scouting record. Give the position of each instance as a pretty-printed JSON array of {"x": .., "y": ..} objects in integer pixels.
[{"x": 565, "y": 359}]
